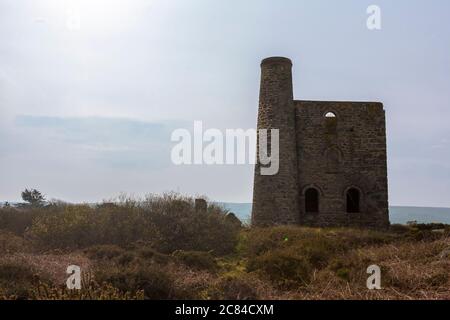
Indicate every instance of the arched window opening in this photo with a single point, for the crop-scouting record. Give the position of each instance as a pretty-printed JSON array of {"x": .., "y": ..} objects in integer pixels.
[
  {"x": 312, "y": 201},
  {"x": 353, "y": 201},
  {"x": 330, "y": 122}
]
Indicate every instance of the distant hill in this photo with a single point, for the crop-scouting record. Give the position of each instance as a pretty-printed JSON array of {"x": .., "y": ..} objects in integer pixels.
[{"x": 400, "y": 215}]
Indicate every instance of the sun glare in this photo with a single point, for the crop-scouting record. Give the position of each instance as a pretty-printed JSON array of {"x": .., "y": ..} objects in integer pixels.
[{"x": 96, "y": 15}]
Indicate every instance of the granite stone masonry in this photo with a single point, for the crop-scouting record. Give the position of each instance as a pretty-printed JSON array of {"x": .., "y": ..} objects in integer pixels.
[{"x": 332, "y": 158}]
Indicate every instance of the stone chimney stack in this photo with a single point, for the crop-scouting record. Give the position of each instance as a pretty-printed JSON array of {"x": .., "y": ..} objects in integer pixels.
[{"x": 276, "y": 197}]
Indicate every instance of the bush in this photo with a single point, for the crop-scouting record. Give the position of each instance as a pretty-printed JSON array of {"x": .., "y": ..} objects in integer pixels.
[
  {"x": 124, "y": 223},
  {"x": 196, "y": 260},
  {"x": 103, "y": 252},
  {"x": 81, "y": 226},
  {"x": 317, "y": 244},
  {"x": 351, "y": 266},
  {"x": 399, "y": 228},
  {"x": 289, "y": 255},
  {"x": 89, "y": 291},
  {"x": 234, "y": 288},
  {"x": 285, "y": 268},
  {"x": 150, "y": 254},
  {"x": 15, "y": 220},
  {"x": 11, "y": 243},
  {"x": 151, "y": 279},
  {"x": 344, "y": 274},
  {"x": 421, "y": 232},
  {"x": 180, "y": 227},
  {"x": 166, "y": 223},
  {"x": 71, "y": 227},
  {"x": 16, "y": 280}
]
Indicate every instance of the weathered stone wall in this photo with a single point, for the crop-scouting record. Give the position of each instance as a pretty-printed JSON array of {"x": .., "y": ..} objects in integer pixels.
[
  {"x": 275, "y": 198},
  {"x": 330, "y": 155},
  {"x": 336, "y": 154}
]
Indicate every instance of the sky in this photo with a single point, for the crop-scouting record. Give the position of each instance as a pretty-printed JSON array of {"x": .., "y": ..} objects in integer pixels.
[{"x": 91, "y": 90}]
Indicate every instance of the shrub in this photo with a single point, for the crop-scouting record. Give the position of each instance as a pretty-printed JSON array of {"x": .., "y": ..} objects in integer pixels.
[
  {"x": 103, "y": 252},
  {"x": 81, "y": 226},
  {"x": 234, "y": 288},
  {"x": 180, "y": 227},
  {"x": 135, "y": 254},
  {"x": 151, "y": 279},
  {"x": 286, "y": 268},
  {"x": 343, "y": 273},
  {"x": 317, "y": 244},
  {"x": 350, "y": 266},
  {"x": 399, "y": 228},
  {"x": 72, "y": 227},
  {"x": 124, "y": 223},
  {"x": 11, "y": 243},
  {"x": 89, "y": 291},
  {"x": 109, "y": 254},
  {"x": 421, "y": 232},
  {"x": 196, "y": 260},
  {"x": 167, "y": 223},
  {"x": 152, "y": 255},
  {"x": 289, "y": 255},
  {"x": 15, "y": 220},
  {"x": 16, "y": 280}
]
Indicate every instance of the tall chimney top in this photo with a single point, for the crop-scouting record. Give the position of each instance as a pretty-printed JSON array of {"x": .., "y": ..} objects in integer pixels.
[{"x": 276, "y": 60}]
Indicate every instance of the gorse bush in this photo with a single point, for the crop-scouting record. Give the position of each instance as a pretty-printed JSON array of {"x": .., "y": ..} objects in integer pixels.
[
  {"x": 79, "y": 226},
  {"x": 286, "y": 268},
  {"x": 196, "y": 260},
  {"x": 288, "y": 256},
  {"x": 180, "y": 227},
  {"x": 89, "y": 291},
  {"x": 16, "y": 280},
  {"x": 257, "y": 241},
  {"x": 71, "y": 227},
  {"x": 150, "y": 279},
  {"x": 240, "y": 287},
  {"x": 16, "y": 221},
  {"x": 167, "y": 223},
  {"x": 11, "y": 243},
  {"x": 104, "y": 252},
  {"x": 150, "y": 254}
]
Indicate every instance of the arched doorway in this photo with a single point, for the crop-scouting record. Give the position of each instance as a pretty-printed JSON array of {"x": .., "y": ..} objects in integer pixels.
[
  {"x": 353, "y": 200},
  {"x": 311, "y": 201}
]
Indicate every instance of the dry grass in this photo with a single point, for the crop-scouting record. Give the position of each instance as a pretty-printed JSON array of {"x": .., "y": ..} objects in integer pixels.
[
  {"x": 50, "y": 266},
  {"x": 186, "y": 255},
  {"x": 410, "y": 271}
]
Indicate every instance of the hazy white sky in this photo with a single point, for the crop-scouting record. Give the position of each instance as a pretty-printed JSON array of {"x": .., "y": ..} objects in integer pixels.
[{"x": 90, "y": 90}]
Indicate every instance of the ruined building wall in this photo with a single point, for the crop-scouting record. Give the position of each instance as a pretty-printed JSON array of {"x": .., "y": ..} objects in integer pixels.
[
  {"x": 336, "y": 154},
  {"x": 329, "y": 155}
]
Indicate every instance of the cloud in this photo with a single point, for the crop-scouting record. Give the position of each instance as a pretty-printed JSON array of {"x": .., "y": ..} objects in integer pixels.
[
  {"x": 40, "y": 20},
  {"x": 116, "y": 142},
  {"x": 69, "y": 100}
]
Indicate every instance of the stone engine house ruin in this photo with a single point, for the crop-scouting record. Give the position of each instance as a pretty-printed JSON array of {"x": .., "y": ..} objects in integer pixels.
[{"x": 332, "y": 158}]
